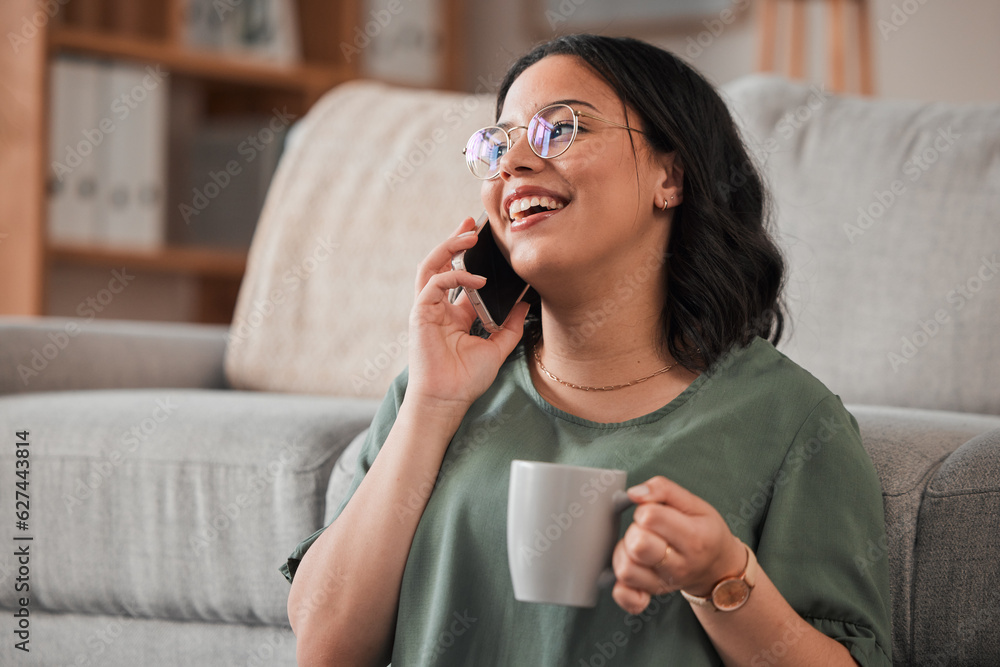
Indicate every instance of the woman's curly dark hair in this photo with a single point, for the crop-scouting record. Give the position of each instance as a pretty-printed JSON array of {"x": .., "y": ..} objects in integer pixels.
[{"x": 724, "y": 272}]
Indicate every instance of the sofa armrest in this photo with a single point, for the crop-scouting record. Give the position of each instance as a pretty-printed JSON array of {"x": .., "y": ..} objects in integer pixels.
[
  {"x": 52, "y": 354},
  {"x": 908, "y": 447},
  {"x": 955, "y": 599}
]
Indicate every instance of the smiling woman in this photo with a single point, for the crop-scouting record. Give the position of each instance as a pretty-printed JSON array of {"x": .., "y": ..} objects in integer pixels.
[{"x": 607, "y": 183}]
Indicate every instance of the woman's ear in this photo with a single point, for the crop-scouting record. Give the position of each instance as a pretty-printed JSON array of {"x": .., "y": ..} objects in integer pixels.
[{"x": 671, "y": 187}]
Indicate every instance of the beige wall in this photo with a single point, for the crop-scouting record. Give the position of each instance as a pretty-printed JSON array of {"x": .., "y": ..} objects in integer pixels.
[
  {"x": 946, "y": 51},
  {"x": 941, "y": 51}
]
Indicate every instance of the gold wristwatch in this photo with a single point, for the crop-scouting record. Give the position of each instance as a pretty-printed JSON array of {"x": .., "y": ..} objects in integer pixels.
[{"x": 731, "y": 593}]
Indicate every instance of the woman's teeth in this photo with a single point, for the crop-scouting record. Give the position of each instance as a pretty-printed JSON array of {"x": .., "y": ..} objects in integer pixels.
[{"x": 519, "y": 206}]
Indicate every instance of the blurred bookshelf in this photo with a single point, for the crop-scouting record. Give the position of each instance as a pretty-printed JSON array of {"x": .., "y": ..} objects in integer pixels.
[
  {"x": 213, "y": 89},
  {"x": 309, "y": 80}
]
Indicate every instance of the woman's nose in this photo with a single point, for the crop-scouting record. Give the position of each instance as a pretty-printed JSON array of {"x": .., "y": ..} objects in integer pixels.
[{"x": 519, "y": 156}]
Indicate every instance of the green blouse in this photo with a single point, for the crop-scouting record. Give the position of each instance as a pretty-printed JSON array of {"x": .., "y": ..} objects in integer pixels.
[{"x": 762, "y": 440}]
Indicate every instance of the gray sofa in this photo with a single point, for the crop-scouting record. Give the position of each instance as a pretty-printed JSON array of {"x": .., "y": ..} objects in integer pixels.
[{"x": 173, "y": 467}]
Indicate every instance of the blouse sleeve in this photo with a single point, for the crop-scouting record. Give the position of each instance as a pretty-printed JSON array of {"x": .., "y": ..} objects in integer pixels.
[
  {"x": 385, "y": 417},
  {"x": 825, "y": 512}
]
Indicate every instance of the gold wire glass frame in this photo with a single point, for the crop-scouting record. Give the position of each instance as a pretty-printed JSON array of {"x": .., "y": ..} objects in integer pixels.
[{"x": 486, "y": 165}]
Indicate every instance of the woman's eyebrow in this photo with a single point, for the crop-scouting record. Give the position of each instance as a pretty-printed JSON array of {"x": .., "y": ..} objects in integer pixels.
[
  {"x": 506, "y": 124},
  {"x": 572, "y": 102}
]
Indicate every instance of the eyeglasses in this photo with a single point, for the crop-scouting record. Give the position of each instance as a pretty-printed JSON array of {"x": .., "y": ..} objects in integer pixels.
[{"x": 550, "y": 133}]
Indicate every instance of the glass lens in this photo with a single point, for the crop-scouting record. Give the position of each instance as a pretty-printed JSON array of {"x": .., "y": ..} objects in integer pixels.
[
  {"x": 484, "y": 150},
  {"x": 551, "y": 130}
]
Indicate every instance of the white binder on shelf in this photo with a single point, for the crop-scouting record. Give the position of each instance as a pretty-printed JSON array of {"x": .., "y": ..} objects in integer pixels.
[
  {"x": 151, "y": 193},
  {"x": 135, "y": 159},
  {"x": 284, "y": 45},
  {"x": 75, "y": 142}
]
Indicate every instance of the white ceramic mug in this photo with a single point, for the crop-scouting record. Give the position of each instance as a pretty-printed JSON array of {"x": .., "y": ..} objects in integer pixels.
[{"x": 562, "y": 525}]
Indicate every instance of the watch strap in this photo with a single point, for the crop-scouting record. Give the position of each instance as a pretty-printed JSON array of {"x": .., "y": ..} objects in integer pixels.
[{"x": 748, "y": 575}]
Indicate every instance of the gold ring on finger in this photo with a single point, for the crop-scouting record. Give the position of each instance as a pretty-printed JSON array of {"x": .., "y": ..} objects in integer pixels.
[{"x": 666, "y": 554}]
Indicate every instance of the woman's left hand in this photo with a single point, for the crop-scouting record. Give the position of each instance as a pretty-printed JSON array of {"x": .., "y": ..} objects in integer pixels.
[{"x": 676, "y": 541}]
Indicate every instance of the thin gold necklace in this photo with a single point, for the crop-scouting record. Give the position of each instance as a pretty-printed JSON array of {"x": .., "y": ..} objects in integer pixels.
[{"x": 582, "y": 387}]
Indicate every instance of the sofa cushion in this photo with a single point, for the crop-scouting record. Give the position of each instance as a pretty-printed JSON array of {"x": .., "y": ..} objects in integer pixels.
[
  {"x": 373, "y": 181},
  {"x": 97, "y": 640},
  {"x": 172, "y": 504},
  {"x": 887, "y": 211},
  {"x": 957, "y": 593},
  {"x": 907, "y": 447}
]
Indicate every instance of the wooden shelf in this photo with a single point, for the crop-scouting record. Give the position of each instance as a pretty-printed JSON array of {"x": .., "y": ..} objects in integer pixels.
[
  {"x": 206, "y": 64},
  {"x": 203, "y": 262},
  {"x": 209, "y": 85}
]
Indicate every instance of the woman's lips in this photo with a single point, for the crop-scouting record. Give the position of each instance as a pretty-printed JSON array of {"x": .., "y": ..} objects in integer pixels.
[
  {"x": 527, "y": 193},
  {"x": 533, "y": 219}
]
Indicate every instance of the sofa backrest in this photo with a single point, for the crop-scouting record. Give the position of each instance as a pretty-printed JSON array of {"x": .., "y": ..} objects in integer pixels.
[{"x": 889, "y": 213}]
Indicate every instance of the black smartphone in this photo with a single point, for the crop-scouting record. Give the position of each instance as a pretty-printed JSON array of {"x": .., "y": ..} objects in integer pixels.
[{"x": 503, "y": 289}]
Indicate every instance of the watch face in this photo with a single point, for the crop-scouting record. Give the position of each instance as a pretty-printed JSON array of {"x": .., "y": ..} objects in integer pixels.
[{"x": 730, "y": 594}]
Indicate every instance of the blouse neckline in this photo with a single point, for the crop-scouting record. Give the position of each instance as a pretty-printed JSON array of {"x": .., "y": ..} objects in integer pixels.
[{"x": 522, "y": 375}]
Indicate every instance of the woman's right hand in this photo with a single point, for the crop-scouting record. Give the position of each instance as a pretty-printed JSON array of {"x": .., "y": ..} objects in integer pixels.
[{"x": 447, "y": 364}]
